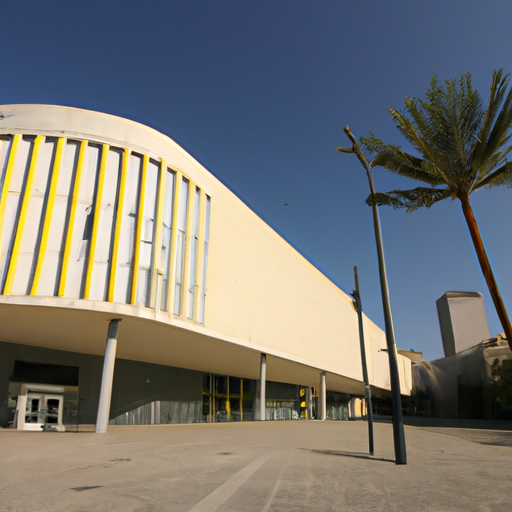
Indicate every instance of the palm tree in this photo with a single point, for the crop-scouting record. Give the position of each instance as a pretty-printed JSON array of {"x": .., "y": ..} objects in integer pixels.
[{"x": 462, "y": 146}]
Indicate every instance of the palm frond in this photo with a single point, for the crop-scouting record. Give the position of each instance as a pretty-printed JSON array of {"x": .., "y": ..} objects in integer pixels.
[
  {"x": 500, "y": 177},
  {"x": 418, "y": 133},
  {"x": 460, "y": 143},
  {"x": 420, "y": 197},
  {"x": 398, "y": 161},
  {"x": 497, "y": 92},
  {"x": 493, "y": 166},
  {"x": 500, "y": 133},
  {"x": 444, "y": 118}
]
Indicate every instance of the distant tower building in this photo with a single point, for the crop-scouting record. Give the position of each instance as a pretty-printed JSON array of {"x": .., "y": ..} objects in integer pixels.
[{"x": 462, "y": 321}]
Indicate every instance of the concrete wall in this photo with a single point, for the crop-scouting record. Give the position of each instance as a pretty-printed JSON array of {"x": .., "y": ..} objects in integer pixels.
[
  {"x": 90, "y": 368},
  {"x": 261, "y": 293},
  {"x": 457, "y": 385},
  {"x": 135, "y": 383},
  {"x": 462, "y": 320}
]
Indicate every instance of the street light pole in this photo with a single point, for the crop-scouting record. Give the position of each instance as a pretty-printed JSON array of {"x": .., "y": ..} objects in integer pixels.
[
  {"x": 359, "y": 306},
  {"x": 398, "y": 422}
]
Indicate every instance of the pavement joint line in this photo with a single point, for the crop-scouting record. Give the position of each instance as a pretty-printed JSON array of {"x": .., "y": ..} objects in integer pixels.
[
  {"x": 277, "y": 484},
  {"x": 214, "y": 500}
]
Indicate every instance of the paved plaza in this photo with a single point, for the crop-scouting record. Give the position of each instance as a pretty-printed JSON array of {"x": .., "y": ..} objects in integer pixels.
[{"x": 255, "y": 466}]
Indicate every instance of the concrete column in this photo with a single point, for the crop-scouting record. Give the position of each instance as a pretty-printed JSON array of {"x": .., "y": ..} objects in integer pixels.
[
  {"x": 322, "y": 398},
  {"x": 19, "y": 420},
  {"x": 310, "y": 403},
  {"x": 107, "y": 377},
  {"x": 263, "y": 387}
]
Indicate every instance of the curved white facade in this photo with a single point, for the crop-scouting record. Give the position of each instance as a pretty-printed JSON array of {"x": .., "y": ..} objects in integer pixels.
[{"x": 101, "y": 217}]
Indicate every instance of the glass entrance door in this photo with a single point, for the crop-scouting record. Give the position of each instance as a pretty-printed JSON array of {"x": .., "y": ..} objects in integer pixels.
[
  {"x": 41, "y": 410},
  {"x": 227, "y": 398}
]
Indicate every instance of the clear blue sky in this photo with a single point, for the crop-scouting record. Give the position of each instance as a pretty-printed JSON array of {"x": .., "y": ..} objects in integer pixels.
[{"x": 260, "y": 91}]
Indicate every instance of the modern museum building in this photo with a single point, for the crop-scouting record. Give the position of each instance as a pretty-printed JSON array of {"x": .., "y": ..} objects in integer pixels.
[{"x": 137, "y": 288}]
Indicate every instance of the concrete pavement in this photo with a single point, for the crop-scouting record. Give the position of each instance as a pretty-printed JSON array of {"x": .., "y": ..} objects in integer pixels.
[{"x": 255, "y": 466}]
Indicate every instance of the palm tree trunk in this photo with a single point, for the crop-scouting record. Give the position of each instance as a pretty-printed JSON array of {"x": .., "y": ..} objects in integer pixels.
[{"x": 486, "y": 268}]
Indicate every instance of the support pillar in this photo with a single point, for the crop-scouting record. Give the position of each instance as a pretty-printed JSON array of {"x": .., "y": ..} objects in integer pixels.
[
  {"x": 310, "y": 403},
  {"x": 263, "y": 387},
  {"x": 322, "y": 398},
  {"x": 107, "y": 377}
]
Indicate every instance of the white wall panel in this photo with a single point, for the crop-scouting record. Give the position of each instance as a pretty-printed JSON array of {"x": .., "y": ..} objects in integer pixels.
[
  {"x": 52, "y": 257},
  {"x": 82, "y": 226},
  {"x": 31, "y": 230},
  {"x": 103, "y": 252}
]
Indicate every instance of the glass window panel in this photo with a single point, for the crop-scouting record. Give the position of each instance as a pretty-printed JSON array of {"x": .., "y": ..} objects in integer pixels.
[
  {"x": 127, "y": 233},
  {"x": 5, "y": 148},
  {"x": 193, "y": 257},
  {"x": 180, "y": 246},
  {"x": 205, "y": 259},
  {"x": 165, "y": 257},
  {"x": 147, "y": 235}
]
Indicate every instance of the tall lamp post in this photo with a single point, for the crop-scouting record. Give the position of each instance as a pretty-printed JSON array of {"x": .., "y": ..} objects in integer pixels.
[
  {"x": 359, "y": 307},
  {"x": 398, "y": 422}
]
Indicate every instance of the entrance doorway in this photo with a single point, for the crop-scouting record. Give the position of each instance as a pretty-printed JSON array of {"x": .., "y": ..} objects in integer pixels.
[
  {"x": 227, "y": 398},
  {"x": 39, "y": 408}
]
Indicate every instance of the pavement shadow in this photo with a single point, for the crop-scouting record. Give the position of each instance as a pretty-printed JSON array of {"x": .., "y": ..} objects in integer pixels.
[
  {"x": 354, "y": 455},
  {"x": 487, "y": 437},
  {"x": 422, "y": 421}
]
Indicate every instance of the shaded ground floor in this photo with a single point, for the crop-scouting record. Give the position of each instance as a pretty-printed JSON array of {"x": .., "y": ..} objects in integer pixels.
[{"x": 46, "y": 388}]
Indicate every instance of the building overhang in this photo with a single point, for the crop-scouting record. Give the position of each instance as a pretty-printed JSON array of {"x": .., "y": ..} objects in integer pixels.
[{"x": 149, "y": 336}]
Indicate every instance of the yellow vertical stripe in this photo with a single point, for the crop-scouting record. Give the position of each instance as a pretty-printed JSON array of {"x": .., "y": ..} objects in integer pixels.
[
  {"x": 188, "y": 244},
  {"x": 156, "y": 263},
  {"x": 117, "y": 227},
  {"x": 200, "y": 253},
  {"x": 48, "y": 215},
  {"x": 96, "y": 220},
  {"x": 138, "y": 229},
  {"x": 228, "y": 400},
  {"x": 20, "y": 230},
  {"x": 72, "y": 216},
  {"x": 7, "y": 180},
  {"x": 174, "y": 238}
]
